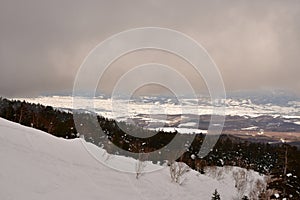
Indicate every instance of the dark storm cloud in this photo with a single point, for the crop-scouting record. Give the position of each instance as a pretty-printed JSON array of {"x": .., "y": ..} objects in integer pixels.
[{"x": 42, "y": 43}]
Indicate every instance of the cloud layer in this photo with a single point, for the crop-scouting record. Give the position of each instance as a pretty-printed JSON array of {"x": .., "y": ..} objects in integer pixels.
[{"x": 255, "y": 44}]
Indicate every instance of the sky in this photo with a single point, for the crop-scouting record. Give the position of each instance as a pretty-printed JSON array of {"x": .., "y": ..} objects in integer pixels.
[{"x": 255, "y": 44}]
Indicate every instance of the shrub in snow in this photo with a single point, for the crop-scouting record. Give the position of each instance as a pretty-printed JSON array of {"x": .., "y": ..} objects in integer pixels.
[
  {"x": 247, "y": 182},
  {"x": 200, "y": 165},
  {"x": 177, "y": 171},
  {"x": 202, "y": 171},
  {"x": 242, "y": 179},
  {"x": 215, "y": 172}
]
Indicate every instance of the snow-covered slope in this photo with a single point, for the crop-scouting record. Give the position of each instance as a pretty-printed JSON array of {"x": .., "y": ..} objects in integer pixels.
[{"x": 35, "y": 165}]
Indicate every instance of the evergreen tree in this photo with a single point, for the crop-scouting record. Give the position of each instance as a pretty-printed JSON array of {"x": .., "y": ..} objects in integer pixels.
[
  {"x": 245, "y": 198},
  {"x": 216, "y": 195}
]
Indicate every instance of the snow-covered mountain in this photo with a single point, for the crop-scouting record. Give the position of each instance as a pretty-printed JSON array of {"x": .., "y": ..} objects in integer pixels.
[{"x": 36, "y": 165}]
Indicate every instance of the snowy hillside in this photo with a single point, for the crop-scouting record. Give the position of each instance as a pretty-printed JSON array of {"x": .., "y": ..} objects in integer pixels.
[{"x": 36, "y": 165}]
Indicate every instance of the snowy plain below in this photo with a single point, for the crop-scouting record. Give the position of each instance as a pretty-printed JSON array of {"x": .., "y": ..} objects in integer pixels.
[
  {"x": 150, "y": 105},
  {"x": 36, "y": 165}
]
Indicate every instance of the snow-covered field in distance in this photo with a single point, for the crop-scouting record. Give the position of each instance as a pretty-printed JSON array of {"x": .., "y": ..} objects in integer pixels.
[
  {"x": 36, "y": 165},
  {"x": 155, "y": 109},
  {"x": 164, "y": 105}
]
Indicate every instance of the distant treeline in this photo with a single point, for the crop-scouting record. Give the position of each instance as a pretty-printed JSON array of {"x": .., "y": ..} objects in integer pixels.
[
  {"x": 38, "y": 116},
  {"x": 281, "y": 161}
]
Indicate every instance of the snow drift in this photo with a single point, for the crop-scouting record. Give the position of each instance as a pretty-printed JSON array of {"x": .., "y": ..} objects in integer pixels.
[{"x": 36, "y": 165}]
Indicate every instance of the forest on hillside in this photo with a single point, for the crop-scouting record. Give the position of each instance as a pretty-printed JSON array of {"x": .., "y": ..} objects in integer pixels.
[{"x": 279, "y": 161}]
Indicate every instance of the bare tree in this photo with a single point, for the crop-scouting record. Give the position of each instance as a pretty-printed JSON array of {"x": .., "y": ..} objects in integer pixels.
[
  {"x": 140, "y": 164},
  {"x": 285, "y": 168},
  {"x": 177, "y": 171}
]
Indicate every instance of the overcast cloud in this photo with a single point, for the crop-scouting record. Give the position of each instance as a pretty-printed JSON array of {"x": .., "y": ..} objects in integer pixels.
[{"x": 256, "y": 44}]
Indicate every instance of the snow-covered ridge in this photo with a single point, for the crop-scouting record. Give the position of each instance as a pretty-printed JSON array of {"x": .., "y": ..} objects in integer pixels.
[{"x": 36, "y": 165}]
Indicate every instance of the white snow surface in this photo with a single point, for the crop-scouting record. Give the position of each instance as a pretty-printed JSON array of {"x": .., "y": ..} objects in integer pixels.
[
  {"x": 36, "y": 165},
  {"x": 181, "y": 130}
]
